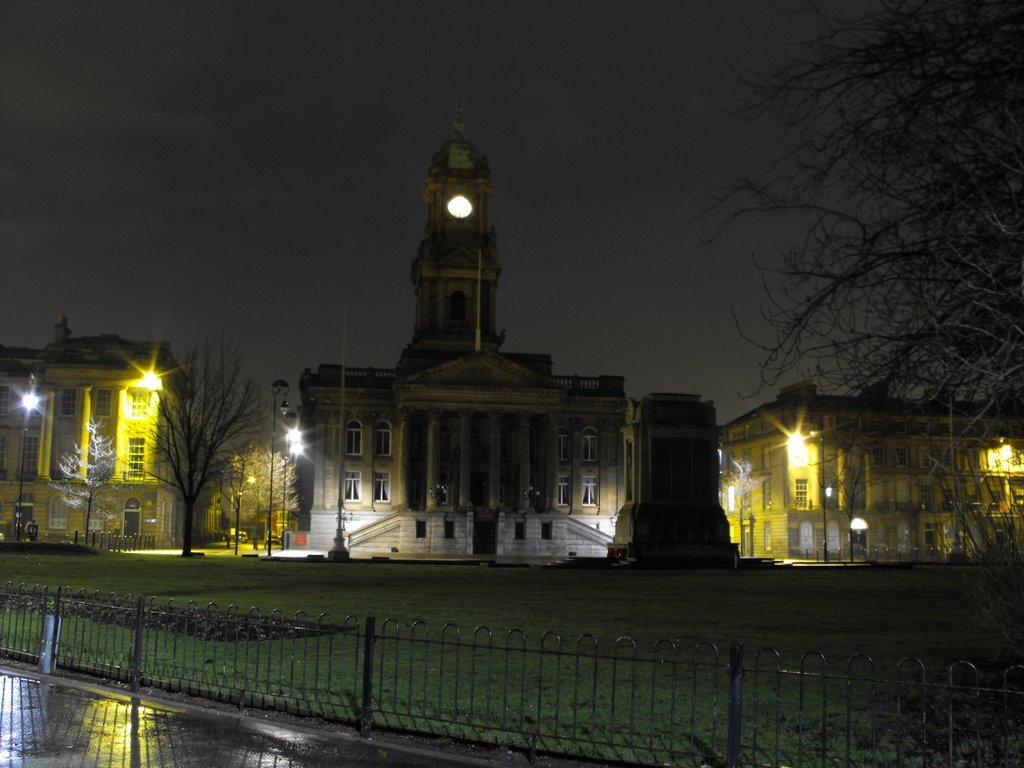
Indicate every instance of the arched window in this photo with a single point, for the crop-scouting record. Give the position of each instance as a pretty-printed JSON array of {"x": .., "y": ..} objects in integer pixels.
[
  {"x": 590, "y": 444},
  {"x": 458, "y": 307},
  {"x": 834, "y": 544},
  {"x": 353, "y": 438},
  {"x": 382, "y": 441},
  {"x": 806, "y": 539}
]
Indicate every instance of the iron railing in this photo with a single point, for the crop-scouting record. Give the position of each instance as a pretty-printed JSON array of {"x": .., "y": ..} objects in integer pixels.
[{"x": 667, "y": 705}]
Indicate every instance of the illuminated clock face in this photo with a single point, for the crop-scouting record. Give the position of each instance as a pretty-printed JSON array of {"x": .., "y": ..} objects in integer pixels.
[{"x": 460, "y": 207}]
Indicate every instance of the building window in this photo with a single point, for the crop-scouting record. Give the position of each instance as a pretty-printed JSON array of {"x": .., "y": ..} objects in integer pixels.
[
  {"x": 924, "y": 496},
  {"x": 766, "y": 492},
  {"x": 806, "y": 538},
  {"x": 563, "y": 490},
  {"x": 449, "y": 529},
  {"x": 136, "y": 458},
  {"x": 878, "y": 456},
  {"x": 102, "y": 400},
  {"x": 925, "y": 460},
  {"x": 382, "y": 439},
  {"x": 421, "y": 529},
  {"x": 458, "y": 308},
  {"x": 767, "y": 537},
  {"x": 563, "y": 444},
  {"x": 590, "y": 444},
  {"x": 139, "y": 403},
  {"x": 545, "y": 530},
  {"x": 353, "y": 438},
  {"x": 801, "y": 494},
  {"x": 902, "y": 456},
  {"x": 589, "y": 491},
  {"x": 68, "y": 401},
  {"x": 353, "y": 485},
  {"x": 520, "y": 530},
  {"x": 382, "y": 486},
  {"x": 766, "y": 457},
  {"x": 58, "y": 517},
  {"x": 30, "y": 457},
  {"x": 5, "y": 400},
  {"x": 3, "y": 455}
]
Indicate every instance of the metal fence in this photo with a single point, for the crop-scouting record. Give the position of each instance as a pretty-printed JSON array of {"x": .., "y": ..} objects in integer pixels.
[{"x": 666, "y": 705}]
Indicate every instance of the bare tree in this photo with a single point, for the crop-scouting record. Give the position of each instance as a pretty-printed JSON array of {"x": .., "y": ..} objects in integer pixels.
[
  {"x": 247, "y": 483},
  {"x": 906, "y": 168},
  {"x": 87, "y": 473},
  {"x": 208, "y": 409}
]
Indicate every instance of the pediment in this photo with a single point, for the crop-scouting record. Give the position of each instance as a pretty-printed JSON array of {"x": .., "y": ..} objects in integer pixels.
[
  {"x": 462, "y": 257},
  {"x": 480, "y": 370}
]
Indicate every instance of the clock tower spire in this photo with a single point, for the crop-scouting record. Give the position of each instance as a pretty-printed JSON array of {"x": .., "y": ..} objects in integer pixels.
[{"x": 455, "y": 272}]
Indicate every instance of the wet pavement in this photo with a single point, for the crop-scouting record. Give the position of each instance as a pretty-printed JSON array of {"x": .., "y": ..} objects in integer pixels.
[{"x": 47, "y": 722}]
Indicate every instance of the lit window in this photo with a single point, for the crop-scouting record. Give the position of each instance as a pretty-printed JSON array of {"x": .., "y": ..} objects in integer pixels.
[
  {"x": 68, "y": 401},
  {"x": 354, "y": 438},
  {"x": 589, "y": 491},
  {"x": 29, "y": 456},
  {"x": 590, "y": 444},
  {"x": 352, "y": 486},
  {"x": 801, "y": 494},
  {"x": 382, "y": 439},
  {"x": 563, "y": 490},
  {"x": 102, "y": 400},
  {"x": 136, "y": 458},
  {"x": 58, "y": 517},
  {"x": 563, "y": 444},
  {"x": 139, "y": 403},
  {"x": 382, "y": 486}
]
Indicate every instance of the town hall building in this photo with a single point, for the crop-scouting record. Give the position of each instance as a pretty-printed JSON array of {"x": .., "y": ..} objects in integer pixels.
[{"x": 465, "y": 449}]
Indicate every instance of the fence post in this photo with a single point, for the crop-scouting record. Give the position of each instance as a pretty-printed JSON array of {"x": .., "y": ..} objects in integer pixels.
[
  {"x": 366, "y": 716},
  {"x": 735, "y": 705},
  {"x": 51, "y": 634},
  {"x": 140, "y": 616}
]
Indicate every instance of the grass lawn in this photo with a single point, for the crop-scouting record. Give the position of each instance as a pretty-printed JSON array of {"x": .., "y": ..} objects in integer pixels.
[{"x": 886, "y": 614}]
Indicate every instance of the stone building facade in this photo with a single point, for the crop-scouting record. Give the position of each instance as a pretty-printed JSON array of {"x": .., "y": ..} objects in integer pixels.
[{"x": 79, "y": 380}]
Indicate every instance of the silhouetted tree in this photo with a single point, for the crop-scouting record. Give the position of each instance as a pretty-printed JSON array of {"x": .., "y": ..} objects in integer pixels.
[{"x": 207, "y": 410}]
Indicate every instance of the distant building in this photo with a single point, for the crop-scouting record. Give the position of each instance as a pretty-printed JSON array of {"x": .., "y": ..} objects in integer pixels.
[
  {"x": 78, "y": 380},
  {"x": 462, "y": 448},
  {"x": 811, "y": 475}
]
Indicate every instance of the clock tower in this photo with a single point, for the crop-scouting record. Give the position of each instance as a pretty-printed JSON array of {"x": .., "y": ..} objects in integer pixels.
[{"x": 455, "y": 273}]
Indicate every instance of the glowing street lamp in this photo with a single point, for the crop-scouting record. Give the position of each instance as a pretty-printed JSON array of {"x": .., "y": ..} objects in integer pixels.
[
  {"x": 238, "y": 508},
  {"x": 30, "y": 402}
]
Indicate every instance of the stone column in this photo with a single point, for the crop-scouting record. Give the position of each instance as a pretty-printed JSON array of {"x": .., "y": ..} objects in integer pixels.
[
  {"x": 399, "y": 490},
  {"x": 494, "y": 474},
  {"x": 465, "y": 459},
  {"x": 551, "y": 462},
  {"x": 433, "y": 458},
  {"x": 523, "y": 461}
]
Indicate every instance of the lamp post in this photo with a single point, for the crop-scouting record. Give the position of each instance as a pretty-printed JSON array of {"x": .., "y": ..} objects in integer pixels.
[
  {"x": 29, "y": 401},
  {"x": 238, "y": 508},
  {"x": 279, "y": 387},
  {"x": 826, "y": 492},
  {"x": 339, "y": 551}
]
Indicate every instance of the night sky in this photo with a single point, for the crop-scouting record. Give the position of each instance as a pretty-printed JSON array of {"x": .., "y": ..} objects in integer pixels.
[{"x": 173, "y": 170}]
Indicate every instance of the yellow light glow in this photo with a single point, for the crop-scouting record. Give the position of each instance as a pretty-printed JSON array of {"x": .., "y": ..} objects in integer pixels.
[
  {"x": 732, "y": 498},
  {"x": 460, "y": 207},
  {"x": 797, "y": 447},
  {"x": 150, "y": 381}
]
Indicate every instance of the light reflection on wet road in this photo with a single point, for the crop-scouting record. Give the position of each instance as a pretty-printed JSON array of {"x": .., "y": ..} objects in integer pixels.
[{"x": 50, "y": 726}]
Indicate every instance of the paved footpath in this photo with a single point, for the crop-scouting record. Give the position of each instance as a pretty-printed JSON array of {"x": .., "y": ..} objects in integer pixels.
[{"x": 48, "y": 722}]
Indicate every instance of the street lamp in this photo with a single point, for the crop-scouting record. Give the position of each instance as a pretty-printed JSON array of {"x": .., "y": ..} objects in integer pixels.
[
  {"x": 30, "y": 402},
  {"x": 339, "y": 551},
  {"x": 279, "y": 387},
  {"x": 824, "y": 516}
]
